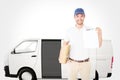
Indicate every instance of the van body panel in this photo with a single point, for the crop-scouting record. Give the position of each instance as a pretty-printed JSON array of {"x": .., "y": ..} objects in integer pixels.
[
  {"x": 37, "y": 67},
  {"x": 104, "y": 58}
]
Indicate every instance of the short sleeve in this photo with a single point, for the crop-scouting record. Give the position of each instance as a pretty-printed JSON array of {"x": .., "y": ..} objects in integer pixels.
[{"x": 66, "y": 36}]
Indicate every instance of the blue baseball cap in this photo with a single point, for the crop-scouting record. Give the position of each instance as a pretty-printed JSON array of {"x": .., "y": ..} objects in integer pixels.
[{"x": 79, "y": 11}]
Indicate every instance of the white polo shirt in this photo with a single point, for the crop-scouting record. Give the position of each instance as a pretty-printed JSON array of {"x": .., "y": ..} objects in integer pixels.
[{"x": 75, "y": 38}]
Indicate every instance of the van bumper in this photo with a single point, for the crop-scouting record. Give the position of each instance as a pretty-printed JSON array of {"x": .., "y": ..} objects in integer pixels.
[{"x": 7, "y": 72}]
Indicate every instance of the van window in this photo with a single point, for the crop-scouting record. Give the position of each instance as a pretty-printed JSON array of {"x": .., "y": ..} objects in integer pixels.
[{"x": 26, "y": 46}]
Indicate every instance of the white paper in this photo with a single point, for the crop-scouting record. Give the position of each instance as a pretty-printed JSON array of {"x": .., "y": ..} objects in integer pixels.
[{"x": 90, "y": 39}]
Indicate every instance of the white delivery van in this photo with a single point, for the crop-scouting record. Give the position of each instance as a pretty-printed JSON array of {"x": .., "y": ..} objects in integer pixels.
[{"x": 38, "y": 59}]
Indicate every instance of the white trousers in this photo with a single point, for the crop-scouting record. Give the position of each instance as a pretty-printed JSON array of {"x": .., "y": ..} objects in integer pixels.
[{"x": 82, "y": 68}]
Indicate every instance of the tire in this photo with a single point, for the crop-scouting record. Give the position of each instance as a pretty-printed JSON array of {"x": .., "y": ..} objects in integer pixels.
[
  {"x": 27, "y": 74},
  {"x": 96, "y": 76}
]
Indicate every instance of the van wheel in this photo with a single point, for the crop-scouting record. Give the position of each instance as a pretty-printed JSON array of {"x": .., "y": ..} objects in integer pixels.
[
  {"x": 96, "y": 76},
  {"x": 27, "y": 74}
]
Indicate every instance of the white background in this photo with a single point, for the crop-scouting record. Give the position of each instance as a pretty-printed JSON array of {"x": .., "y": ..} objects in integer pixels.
[{"x": 24, "y": 19}]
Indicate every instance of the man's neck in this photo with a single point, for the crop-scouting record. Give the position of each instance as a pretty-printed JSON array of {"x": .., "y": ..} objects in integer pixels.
[{"x": 79, "y": 26}]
